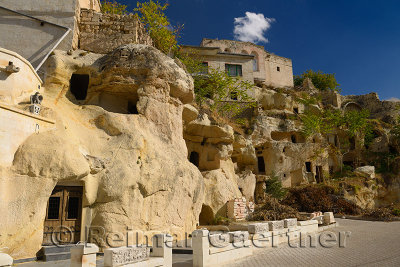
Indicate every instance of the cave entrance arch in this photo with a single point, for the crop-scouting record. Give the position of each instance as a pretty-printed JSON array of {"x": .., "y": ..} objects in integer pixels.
[
  {"x": 206, "y": 216},
  {"x": 79, "y": 84}
]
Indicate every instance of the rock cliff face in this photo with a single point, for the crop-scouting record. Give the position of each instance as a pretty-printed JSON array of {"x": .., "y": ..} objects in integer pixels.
[
  {"x": 128, "y": 132},
  {"x": 133, "y": 167}
]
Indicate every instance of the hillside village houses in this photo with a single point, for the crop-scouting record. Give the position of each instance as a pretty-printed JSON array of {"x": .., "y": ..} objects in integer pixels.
[
  {"x": 117, "y": 141},
  {"x": 245, "y": 59}
]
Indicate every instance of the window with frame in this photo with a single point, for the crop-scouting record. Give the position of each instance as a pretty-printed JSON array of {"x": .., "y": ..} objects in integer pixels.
[
  {"x": 233, "y": 70},
  {"x": 204, "y": 68}
]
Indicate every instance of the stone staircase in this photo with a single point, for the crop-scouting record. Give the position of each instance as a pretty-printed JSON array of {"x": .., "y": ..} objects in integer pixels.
[{"x": 55, "y": 253}]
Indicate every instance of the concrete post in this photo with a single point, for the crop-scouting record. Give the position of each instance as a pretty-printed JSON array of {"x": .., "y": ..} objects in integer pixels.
[
  {"x": 201, "y": 248},
  {"x": 84, "y": 255},
  {"x": 5, "y": 260},
  {"x": 162, "y": 247}
]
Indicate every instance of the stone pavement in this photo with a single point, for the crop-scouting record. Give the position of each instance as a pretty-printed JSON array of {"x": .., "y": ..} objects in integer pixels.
[{"x": 370, "y": 244}]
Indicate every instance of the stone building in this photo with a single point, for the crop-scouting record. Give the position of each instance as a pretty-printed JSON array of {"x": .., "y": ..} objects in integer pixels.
[
  {"x": 246, "y": 59},
  {"x": 236, "y": 64}
]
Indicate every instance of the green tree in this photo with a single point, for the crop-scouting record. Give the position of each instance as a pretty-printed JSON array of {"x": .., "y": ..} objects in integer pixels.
[
  {"x": 323, "y": 123},
  {"x": 164, "y": 35},
  {"x": 113, "y": 7},
  {"x": 322, "y": 81},
  {"x": 273, "y": 187},
  {"x": 357, "y": 122}
]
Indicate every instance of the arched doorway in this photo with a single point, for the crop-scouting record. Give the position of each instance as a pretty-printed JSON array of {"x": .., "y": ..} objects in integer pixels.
[{"x": 206, "y": 215}]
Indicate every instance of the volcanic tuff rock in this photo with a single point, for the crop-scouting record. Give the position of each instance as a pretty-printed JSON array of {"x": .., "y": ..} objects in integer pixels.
[{"x": 134, "y": 167}]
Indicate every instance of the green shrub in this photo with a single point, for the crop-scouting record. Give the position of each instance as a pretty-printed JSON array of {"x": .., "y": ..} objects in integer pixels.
[
  {"x": 220, "y": 220},
  {"x": 164, "y": 35},
  {"x": 274, "y": 188},
  {"x": 322, "y": 81},
  {"x": 113, "y": 7},
  {"x": 396, "y": 212}
]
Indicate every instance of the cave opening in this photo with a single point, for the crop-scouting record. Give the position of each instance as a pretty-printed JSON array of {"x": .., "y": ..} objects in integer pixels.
[
  {"x": 132, "y": 108},
  {"x": 261, "y": 164},
  {"x": 206, "y": 216},
  {"x": 308, "y": 167},
  {"x": 194, "y": 158},
  {"x": 79, "y": 84}
]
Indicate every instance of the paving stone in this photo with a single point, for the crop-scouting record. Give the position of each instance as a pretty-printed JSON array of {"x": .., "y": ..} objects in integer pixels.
[
  {"x": 276, "y": 225},
  {"x": 370, "y": 244},
  {"x": 290, "y": 223},
  {"x": 258, "y": 228},
  {"x": 329, "y": 218}
]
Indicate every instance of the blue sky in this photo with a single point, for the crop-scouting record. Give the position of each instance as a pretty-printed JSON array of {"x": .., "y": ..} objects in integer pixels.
[{"x": 357, "y": 40}]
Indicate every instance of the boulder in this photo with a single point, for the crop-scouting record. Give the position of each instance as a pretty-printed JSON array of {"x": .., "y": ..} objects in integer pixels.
[
  {"x": 366, "y": 171},
  {"x": 189, "y": 113},
  {"x": 247, "y": 183},
  {"x": 220, "y": 187}
]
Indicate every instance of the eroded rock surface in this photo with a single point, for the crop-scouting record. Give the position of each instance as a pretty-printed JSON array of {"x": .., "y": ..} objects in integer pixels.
[{"x": 133, "y": 167}]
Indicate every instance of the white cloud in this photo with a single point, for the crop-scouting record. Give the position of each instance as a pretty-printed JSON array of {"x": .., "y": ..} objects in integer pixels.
[
  {"x": 394, "y": 99},
  {"x": 252, "y": 27}
]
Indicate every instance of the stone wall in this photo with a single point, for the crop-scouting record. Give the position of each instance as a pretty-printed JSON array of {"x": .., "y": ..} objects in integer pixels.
[
  {"x": 90, "y": 4},
  {"x": 101, "y": 33},
  {"x": 238, "y": 208},
  {"x": 278, "y": 71}
]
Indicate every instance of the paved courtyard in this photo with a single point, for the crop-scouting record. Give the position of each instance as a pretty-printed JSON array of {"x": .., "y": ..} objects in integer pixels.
[{"x": 370, "y": 244}]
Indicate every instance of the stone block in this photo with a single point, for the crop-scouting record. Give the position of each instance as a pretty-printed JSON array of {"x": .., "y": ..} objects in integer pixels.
[
  {"x": 5, "y": 260},
  {"x": 319, "y": 219},
  {"x": 258, "y": 228},
  {"x": 329, "y": 218},
  {"x": 125, "y": 255},
  {"x": 276, "y": 225},
  {"x": 219, "y": 240},
  {"x": 306, "y": 223},
  {"x": 238, "y": 236},
  {"x": 290, "y": 223}
]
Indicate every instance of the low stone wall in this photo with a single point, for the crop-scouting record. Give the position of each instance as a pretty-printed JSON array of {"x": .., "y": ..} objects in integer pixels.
[
  {"x": 101, "y": 33},
  {"x": 161, "y": 254}
]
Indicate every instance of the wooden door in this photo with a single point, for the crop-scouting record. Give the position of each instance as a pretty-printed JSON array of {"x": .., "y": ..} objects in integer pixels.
[{"x": 62, "y": 224}]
